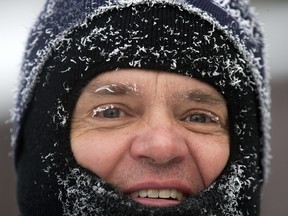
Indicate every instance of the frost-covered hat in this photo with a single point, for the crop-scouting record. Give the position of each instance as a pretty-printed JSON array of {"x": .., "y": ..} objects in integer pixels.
[{"x": 218, "y": 42}]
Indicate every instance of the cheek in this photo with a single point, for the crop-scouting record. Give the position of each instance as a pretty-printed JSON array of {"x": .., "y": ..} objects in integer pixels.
[
  {"x": 211, "y": 154},
  {"x": 90, "y": 150}
]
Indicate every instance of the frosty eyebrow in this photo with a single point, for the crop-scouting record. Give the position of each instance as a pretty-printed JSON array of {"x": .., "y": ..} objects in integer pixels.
[
  {"x": 204, "y": 97},
  {"x": 116, "y": 89}
]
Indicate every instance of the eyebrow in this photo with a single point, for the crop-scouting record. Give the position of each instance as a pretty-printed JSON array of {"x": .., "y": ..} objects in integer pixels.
[
  {"x": 200, "y": 96},
  {"x": 115, "y": 89}
]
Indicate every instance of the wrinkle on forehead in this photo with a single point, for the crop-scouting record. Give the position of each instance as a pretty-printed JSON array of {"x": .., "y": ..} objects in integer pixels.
[{"x": 198, "y": 92}]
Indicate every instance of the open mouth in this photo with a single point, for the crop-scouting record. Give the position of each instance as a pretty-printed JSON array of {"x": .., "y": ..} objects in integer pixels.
[{"x": 158, "y": 197}]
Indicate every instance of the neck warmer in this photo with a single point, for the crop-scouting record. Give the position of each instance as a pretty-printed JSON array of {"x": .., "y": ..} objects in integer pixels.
[{"x": 217, "y": 42}]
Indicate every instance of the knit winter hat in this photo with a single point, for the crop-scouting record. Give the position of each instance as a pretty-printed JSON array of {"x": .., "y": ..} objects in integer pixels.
[{"x": 73, "y": 42}]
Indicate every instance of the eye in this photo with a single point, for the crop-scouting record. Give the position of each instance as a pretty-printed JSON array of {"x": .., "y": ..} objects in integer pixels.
[
  {"x": 109, "y": 112},
  {"x": 202, "y": 117}
]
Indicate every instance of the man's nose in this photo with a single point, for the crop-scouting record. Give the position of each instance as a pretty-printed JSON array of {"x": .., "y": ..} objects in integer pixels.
[{"x": 160, "y": 144}]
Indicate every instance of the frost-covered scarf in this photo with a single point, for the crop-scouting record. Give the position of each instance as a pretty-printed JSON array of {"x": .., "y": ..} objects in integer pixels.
[{"x": 217, "y": 42}]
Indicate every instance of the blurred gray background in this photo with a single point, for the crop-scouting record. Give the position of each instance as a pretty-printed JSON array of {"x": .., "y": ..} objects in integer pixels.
[{"x": 16, "y": 18}]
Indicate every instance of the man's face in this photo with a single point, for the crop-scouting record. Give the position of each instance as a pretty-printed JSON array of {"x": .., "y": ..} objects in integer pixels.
[{"x": 158, "y": 137}]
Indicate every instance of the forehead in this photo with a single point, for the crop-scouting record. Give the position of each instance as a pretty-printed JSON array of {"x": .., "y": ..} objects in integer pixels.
[{"x": 139, "y": 82}]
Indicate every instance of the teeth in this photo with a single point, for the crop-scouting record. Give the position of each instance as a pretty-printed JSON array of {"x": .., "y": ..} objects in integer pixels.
[
  {"x": 154, "y": 193},
  {"x": 134, "y": 195},
  {"x": 165, "y": 193},
  {"x": 143, "y": 193},
  {"x": 174, "y": 194},
  {"x": 179, "y": 196}
]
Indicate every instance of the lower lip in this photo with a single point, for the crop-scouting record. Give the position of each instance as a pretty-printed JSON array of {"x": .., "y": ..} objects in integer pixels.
[{"x": 156, "y": 202}]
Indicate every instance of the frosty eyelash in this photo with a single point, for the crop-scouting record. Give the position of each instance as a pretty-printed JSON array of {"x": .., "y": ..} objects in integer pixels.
[
  {"x": 100, "y": 109},
  {"x": 212, "y": 117}
]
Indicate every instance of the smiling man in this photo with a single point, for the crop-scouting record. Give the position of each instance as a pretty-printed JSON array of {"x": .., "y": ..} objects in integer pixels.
[
  {"x": 171, "y": 131},
  {"x": 151, "y": 107}
]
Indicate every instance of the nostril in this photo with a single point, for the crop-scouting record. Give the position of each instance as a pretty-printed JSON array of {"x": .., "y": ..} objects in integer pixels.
[{"x": 166, "y": 163}]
